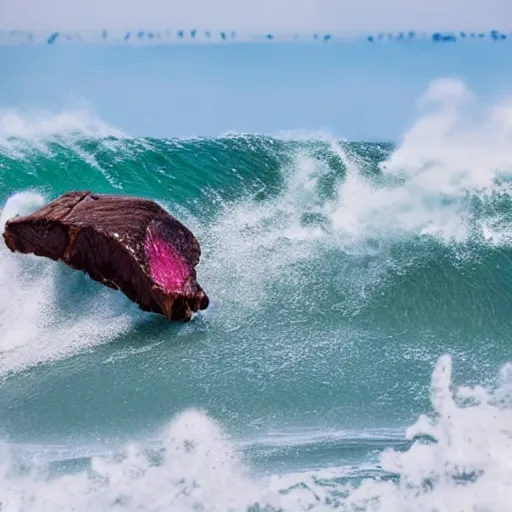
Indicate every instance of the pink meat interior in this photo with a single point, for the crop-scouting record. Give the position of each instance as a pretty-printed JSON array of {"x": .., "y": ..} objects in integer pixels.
[{"x": 166, "y": 267}]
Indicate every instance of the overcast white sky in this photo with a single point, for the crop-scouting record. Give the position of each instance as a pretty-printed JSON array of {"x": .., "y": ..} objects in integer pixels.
[{"x": 255, "y": 15}]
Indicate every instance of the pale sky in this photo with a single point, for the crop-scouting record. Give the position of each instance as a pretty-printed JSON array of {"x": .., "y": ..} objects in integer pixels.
[
  {"x": 257, "y": 15},
  {"x": 355, "y": 90}
]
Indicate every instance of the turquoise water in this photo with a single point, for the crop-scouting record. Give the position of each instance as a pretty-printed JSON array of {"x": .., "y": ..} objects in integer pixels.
[{"x": 345, "y": 279}]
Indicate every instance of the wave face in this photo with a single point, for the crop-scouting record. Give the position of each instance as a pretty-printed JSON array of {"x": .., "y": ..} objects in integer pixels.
[{"x": 345, "y": 278}]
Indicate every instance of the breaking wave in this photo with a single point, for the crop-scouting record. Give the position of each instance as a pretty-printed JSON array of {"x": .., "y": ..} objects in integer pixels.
[{"x": 341, "y": 273}]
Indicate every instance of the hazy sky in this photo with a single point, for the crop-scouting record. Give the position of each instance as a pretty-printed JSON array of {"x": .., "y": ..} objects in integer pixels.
[
  {"x": 286, "y": 15},
  {"x": 356, "y": 90}
]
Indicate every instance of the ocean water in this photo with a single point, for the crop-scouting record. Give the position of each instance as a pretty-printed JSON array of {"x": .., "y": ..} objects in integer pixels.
[{"x": 356, "y": 355}]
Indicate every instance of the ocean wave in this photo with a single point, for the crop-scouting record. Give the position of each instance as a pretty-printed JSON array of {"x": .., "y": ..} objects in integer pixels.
[
  {"x": 339, "y": 271},
  {"x": 282, "y": 220},
  {"x": 458, "y": 460}
]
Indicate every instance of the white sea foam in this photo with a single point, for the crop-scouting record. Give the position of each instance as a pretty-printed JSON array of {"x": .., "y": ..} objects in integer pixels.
[
  {"x": 466, "y": 466},
  {"x": 457, "y": 147},
  {"x": 24, "y": 132},
  {"x": 43, "y": 125},
  {"x": 35, "y": 327}
]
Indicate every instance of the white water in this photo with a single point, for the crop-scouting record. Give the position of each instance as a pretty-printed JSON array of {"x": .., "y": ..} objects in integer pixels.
[
  {"x": 199, "y": 468},
  {"x": 34, "y": 329},
  {"x": 458, "y": 146}
]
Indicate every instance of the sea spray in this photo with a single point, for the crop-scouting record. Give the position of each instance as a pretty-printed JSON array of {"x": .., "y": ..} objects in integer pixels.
[{"x": 459, "y": 460}]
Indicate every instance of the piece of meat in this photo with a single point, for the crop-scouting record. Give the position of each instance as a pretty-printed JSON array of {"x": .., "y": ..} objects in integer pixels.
[{"x": 126, "y": 243}]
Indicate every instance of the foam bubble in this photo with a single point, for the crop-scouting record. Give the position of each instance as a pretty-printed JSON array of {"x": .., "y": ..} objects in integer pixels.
[{"x": 22, "y": 203}]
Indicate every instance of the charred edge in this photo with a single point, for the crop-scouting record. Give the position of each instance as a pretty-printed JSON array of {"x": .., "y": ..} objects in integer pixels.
[
  {"x": 204, "y": 301},
  {"x": 175, "y": 308}
]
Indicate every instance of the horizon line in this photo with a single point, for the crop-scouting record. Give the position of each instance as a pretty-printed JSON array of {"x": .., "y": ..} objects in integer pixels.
[{"x": 169, "y": 36}]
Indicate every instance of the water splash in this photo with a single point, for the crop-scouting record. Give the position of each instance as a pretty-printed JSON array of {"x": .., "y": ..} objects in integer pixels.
[
  {"x": 459, "y": 460},
  {"x": 37, "y": 294}
]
